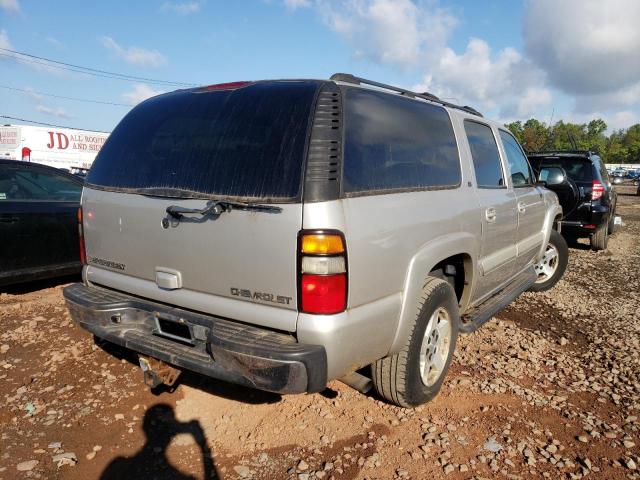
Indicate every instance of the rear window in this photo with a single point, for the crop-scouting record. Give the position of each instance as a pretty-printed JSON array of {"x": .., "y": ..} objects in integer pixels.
[
  {"x": 245, "y": 143},
  {"x": 578, "y": 169},
  {"x": 394, "y": 143}
]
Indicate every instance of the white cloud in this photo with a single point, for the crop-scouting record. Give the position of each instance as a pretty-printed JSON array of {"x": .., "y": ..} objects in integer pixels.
[
  {"x": 4, "y": 40},
  {"x": 55, "y": 42},
  {"x": 484, "y": 80},
  {"x": 41, "y": 67},
  {"x": 135, "y": 55},
  {"x": 182, "y": 8},
  {"x": 620, "y": 99},
  {"x": 586, "y": 49},
  {"x": 140, "y": 93},
  {"x": 10, "y": 5},
  {"x": 414, "y": 35},
  {"x": 623, "y": 119},
  {"x": 55, "y": 112},
  {"x": 389, "y": 31},
  {"x": 31, "y": 93},
  {"x": 585, "y": 46},
  {"x": 295, "y": 4},
  {"x": 531, "y": 102}
]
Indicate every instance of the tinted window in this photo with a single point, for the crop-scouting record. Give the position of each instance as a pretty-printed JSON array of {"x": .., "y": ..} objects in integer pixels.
[
  {"x": 518, "y": 164},
  {"x": 603, "y": 171},
  {"x": 396, "y": 143},
  {"x": 246, "y": 143},
  {"x": 484, "y": 151},
  {"x": 578, "y": 169},
  {"x": 27, "y": 184}
]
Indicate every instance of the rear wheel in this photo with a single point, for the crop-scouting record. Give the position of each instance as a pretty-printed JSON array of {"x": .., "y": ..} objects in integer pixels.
[
  {"x": 611, "y": 226},
  {"x": 415, "y": 374},
  {"x": 553, "y": 263},
  {"x": 600, "y": 239}
]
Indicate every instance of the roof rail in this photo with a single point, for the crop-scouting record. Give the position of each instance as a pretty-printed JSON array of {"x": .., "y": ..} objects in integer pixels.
[
  {"x": 562, "y": 152},
  {"x": 348, "y": 78}
]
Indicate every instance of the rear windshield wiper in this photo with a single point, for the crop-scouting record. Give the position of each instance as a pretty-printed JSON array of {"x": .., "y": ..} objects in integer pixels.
[{"x": 216, "y": 207}]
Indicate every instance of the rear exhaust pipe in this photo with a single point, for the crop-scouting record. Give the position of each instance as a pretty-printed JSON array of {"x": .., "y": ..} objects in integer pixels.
[{"x": 358, "y": 381}]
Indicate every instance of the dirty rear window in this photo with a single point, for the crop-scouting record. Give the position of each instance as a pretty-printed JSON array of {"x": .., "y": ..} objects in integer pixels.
[
  {"x": 244, "y": 143},
  {"x": 578, "y": 169}
]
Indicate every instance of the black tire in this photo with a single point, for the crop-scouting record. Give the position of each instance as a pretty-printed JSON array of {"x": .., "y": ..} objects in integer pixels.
[
  {"x": 397, "y": 378},
  {"x": 557, "y": 242},
  {"x": 600, "y": 239},
  {"x": 611, "y": 226}
]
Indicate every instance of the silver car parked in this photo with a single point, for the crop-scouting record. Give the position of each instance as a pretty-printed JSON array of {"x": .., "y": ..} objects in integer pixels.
[{"x": 281, "y": 234}]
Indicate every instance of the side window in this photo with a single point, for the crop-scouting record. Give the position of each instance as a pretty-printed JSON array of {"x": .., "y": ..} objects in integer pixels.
[
  {"x": 394, "y": 143},
  {"x": 485, "y": 155},
  {"x": 26, "y": 184},
  {"x": 603, "y": 172},
  {"x": 518, "y": 164}
]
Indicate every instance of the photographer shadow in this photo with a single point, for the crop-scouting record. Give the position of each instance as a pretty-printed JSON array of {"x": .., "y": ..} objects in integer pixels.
[{"x": 160, "y": 426}]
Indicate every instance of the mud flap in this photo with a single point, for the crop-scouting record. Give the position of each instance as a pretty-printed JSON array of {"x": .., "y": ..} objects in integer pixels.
[{"x": 156, "y": 372}]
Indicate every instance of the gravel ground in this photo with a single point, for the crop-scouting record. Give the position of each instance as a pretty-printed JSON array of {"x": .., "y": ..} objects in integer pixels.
[{"x": 549, "y": 388}]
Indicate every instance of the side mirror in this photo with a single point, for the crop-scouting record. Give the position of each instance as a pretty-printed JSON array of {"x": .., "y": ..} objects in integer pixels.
[{"x": 552, "y": 176}]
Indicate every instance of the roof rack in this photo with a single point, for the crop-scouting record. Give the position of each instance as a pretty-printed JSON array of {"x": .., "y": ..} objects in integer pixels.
[
  {"x": 562, "y": 152},
  {"x": 348, "y": 78}
]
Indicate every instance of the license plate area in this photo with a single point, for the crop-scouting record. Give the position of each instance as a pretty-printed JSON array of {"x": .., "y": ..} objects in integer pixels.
[{"x": 173, "y": 328}]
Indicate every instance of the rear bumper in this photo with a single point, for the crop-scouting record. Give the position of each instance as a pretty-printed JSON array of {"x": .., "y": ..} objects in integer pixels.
[
  {"x": 216, "y": 347},
  {"x": 598, "y": 215}
]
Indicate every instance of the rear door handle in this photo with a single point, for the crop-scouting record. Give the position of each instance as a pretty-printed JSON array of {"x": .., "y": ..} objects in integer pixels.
[
  {"x": 490, "y": 214},
  {"x": 8, "y": 219},
  {"x": 522, "y": 207}
]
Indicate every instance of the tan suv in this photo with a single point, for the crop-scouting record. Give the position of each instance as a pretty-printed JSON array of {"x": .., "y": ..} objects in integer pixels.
[{"x": 281, "y": 234}]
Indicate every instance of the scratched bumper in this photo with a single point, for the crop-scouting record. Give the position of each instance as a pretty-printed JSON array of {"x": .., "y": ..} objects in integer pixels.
[{"x": 212, "y": 346}]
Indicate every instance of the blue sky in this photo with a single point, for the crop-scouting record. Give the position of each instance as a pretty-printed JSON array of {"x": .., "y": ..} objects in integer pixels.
[{"x": 510, "y": 60}]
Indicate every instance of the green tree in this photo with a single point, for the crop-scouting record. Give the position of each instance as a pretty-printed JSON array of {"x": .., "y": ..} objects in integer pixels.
[
  {"x": 595, "y": 137},
  {"x": 620, "y": 146},
  {"x": 535, "y": 135},
  {"x": 516, "y": 129},
  {"x": 631, "y": 142}
]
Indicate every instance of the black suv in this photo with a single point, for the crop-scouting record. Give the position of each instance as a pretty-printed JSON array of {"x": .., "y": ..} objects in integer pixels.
[{"x": 587, "y": 196}]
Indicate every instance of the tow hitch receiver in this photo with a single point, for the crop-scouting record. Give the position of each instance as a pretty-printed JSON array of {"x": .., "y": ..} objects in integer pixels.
[{"x": 157, "y": 372}]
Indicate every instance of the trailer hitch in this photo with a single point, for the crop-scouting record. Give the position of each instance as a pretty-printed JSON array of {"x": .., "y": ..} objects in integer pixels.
[{"x": 156, "y": 372}]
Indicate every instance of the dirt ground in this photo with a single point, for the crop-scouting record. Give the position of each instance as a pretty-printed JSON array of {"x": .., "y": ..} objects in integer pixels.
[{"x": 550, "y": 388}]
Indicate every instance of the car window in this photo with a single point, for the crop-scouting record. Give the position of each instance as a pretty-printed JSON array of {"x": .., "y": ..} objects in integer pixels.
[
  {"x": 578, "y": 169},
  {"x": 242, "y": 143},
  {"x": 603, "y": 172},
  {"x": 518, "y": 164},
  {"x": 394, "y": 143},
  {"x": 485, "y": 155},
  {"x": 27, "y": 184}
]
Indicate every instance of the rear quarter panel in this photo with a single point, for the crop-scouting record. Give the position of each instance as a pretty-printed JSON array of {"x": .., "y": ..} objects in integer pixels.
[{"x": 393, "y": 242}]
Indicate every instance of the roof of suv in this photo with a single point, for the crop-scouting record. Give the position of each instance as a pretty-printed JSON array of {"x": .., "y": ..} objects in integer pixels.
[{"x": 347, "y": 78}]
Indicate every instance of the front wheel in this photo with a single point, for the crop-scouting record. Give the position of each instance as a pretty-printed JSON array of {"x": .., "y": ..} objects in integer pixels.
[
  {"x": 415, "y": 374},
  {"x": 553, "y": 263}
]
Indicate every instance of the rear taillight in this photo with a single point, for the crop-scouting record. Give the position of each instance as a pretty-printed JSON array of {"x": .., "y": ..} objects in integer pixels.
[
  {"x": 83, "y": 253},
  {"x": 322, "y": 272},
  {"x": 597, "y": 190}
]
